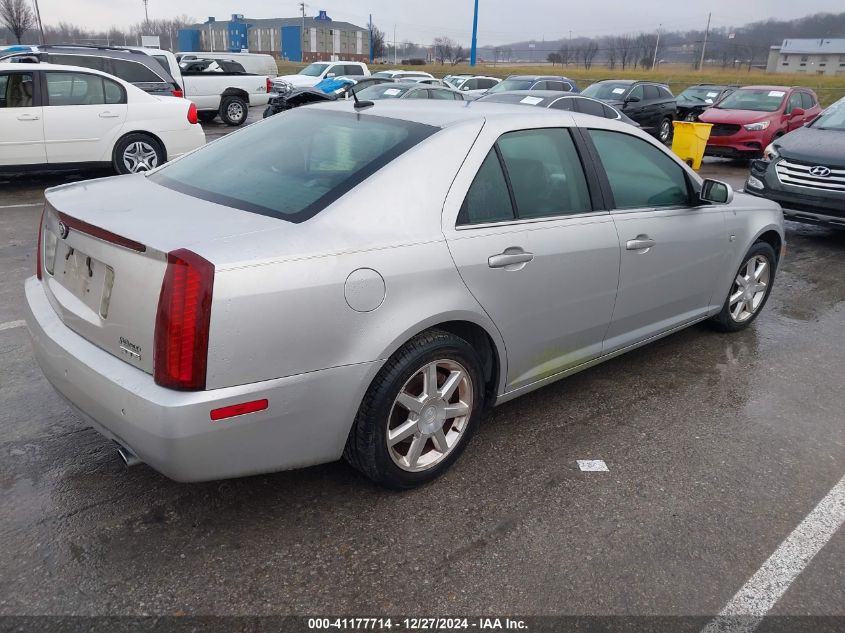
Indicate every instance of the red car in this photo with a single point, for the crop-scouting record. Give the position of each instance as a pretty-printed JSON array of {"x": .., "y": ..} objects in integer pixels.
[{"x": 748, "y": 119}]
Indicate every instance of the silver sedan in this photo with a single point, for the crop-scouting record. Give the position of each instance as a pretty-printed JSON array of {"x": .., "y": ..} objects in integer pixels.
[{"x": 263, "y": 303}]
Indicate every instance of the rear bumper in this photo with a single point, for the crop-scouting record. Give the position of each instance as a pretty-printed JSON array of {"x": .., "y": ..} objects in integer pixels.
[
  {"x": 306, "y": 423},
  {"x": 179, "y": 142}
]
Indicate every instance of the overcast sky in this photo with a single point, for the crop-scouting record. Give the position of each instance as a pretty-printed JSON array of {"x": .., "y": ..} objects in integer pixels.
[{"x": 500, "y": 21}]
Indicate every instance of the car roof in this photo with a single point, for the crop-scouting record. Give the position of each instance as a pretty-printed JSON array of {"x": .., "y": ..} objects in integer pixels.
[
  {"x": 538, "y": 77},
  {"x": 761, "y": 87},
  {"x": 546, "y": 94},
  {"x": 23, "y": 67}
]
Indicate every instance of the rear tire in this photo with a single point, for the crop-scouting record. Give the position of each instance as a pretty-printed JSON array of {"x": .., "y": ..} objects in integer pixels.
[
  {"x": 206, "y": 116},
  {"x": 664, "y": 130},
  {"x": 419, "y": 413},
  {"x": 137, "y": 153},
  {"x": 750, "y": 289},
  {"x": 234, "y": 111}
]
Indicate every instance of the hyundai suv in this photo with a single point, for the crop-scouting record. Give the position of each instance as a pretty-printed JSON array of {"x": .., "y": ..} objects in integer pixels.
[{"x": 650, "y": 104}]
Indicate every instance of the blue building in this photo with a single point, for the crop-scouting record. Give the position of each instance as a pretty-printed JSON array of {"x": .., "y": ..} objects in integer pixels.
[{"x": 317, "y": 38}]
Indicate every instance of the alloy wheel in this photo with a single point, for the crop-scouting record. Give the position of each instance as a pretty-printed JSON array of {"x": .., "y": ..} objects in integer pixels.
[
  {"x": 235, "y": 111},
  {"x": 749, "y": 289},
  {"x": 665, "y": 130},
  {"x": 430, "y": 415},
  {"x": 140, "y": 156}
]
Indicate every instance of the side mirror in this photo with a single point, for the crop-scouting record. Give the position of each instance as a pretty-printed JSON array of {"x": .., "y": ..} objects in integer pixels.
[
  {"x": 465, "y": 88},
  {"x": 797, "y": 112},
  {"x": 329, "y": 75},
  {"x": 633, "y": 99},
  {"x": 716, "y": 191}
]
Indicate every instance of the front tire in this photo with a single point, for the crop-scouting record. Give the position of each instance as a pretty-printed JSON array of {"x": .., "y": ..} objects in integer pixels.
[
  {"x": 137, "y": 153},
  {"x": 419, "y": 413},
  {"x": 234, "y": 111},
  {"x": 750, "y": 289}
]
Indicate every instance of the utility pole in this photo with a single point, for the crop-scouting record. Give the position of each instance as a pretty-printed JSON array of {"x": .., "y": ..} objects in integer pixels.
[
  {"x": 38, "y": 17},
  {"x": 146, "y": 14},
  {"x": 395, "y": 50},
  {"x": 704, "y": 43},
  {"x": 302, "y": 46},
  {"x": 474, "y": 46},
  {"x": 656, "y": 46},
  {"x": 371, "y": 38}
]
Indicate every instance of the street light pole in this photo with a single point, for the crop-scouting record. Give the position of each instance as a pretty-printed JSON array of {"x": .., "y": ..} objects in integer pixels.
[
  {"x": 656, "y": 46},
  {"x": 38, "y": 17},
  {"x": 472, "y": 53}
]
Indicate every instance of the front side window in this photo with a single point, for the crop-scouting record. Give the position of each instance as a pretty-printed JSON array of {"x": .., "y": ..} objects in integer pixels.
[
  {"x": 74, "y": 89},
  {"x": 16, "y": 90},
  {"x": 326, "y": 155},
  {"x": 794, "y": 102},
  {"x": 636, "y": 93},
  {"x": 640, "y": 175}
]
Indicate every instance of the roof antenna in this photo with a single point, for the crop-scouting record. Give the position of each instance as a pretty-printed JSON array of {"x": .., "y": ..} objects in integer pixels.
[{"x": 359, "y": 105}]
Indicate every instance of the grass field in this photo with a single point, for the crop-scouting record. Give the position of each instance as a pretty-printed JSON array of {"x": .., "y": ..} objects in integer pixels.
[{"x": 829, "y": 89}]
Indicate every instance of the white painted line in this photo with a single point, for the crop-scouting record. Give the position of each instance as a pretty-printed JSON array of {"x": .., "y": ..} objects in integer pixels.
[
  {"x": 746, "y": 609},
  {"x": 592, "y": 466},
  {"x": 11, "y": 324},
  {"x": 20, "y": 206}
]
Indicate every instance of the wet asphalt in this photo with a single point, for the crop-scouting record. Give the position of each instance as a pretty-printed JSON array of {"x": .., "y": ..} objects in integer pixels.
[{"x": 717, "y": 447}]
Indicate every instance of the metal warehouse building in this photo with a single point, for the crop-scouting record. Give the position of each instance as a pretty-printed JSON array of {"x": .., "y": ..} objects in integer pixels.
[
  {"x": 817, "y": 57},
  {"x": 321, "y": 39}
]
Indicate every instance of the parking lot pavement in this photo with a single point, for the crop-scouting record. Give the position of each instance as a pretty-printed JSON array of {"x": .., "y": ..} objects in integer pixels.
[{"x": 717, "y": 447}]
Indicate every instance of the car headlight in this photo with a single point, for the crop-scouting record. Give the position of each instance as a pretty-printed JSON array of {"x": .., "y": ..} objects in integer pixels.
[
  {"x": 754, "y": 183},
  {"x": 756, "y": 127},
  {"x": 282, "y": 87},
  {"x": 771, "y": 153}
]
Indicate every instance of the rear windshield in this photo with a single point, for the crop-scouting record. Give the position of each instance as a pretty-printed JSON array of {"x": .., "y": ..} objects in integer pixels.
[
  {"x": 294, "y": 164},
  {"x": 756, "y": 100},
  {"x": 383, "y": 91}
]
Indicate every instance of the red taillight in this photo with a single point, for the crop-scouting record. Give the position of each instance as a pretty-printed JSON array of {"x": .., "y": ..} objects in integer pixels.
[
  {"x": 269, "y": 85},
  {"x": 183, "y": 321},
  {"x": 38, "y": 255},
  {"x": 176, "y": 92},
  {"x": 238, "y": 409},
  {"x": 192, "y": 114}
]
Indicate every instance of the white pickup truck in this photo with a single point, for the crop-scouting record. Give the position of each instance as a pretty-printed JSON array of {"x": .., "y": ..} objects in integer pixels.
[
  {"x": 217, "y": 87},
  {"x": 314, "y": 73}
]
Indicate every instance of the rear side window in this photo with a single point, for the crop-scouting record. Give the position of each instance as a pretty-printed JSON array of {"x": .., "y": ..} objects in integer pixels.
[
  {"x": 16, "y": 90},
  {"x": 353, "y": 69},
  {"x": 67, "y": 89},
  {"x": 651, "y": 93},
  {"x": 807, "y": 101},
  {"x": 113, "y": 91},
  {"x": 486, "y": 83},
  {"x": 133, "y": 72},
  {"x": 587, "y": 106},
  {"x": 443, "y": 93},
  {"x": 86, "y": 61},
  {"x": 488, "y": 199},
  {"x": 610, "y": 113},
  {"x": 326, "y": 154},
  {"x": 640, "y": 175},
  {"x": 564, "y": 104},
  {"x": 556, "y": 85},
  {"x": 664, "y": 93},
  {"x": 545, "y": 173}
]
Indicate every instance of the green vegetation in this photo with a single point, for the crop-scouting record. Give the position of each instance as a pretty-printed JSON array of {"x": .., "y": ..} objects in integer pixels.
[{"x": 829, "y": 89}]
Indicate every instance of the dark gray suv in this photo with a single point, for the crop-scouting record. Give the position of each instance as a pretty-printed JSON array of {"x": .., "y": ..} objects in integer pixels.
[{"x": 134, "y": 66}]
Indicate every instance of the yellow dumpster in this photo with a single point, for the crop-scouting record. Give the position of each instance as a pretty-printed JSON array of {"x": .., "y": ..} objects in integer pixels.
[{"x": 690, "y": 140}]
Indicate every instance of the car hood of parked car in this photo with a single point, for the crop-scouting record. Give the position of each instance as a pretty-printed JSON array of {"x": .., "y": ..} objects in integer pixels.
[
  {"x": 809, "y": 145},
  {"x": 736, "y": 117}
]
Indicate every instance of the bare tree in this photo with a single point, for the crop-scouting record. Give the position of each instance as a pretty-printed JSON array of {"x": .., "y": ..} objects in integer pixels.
[
  {"x": 17, "y": 16},
  {"x": 624, "y": 45},
  {"x": 444, "y": 49},
  {"x": 554, "y": 58},
  {"x": 459, "y": 54},
  {"x": 588, "y": 53},
  {"x": 377, "y": 41},
  {"x": 567, "y": 54},
  {"x": 612, "y": 54}
]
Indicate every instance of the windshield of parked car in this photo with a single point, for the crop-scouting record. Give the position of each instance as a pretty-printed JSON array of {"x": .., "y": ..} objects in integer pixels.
[
  {"x": 324, "y": 155},
  {"x": 511, "y": 84},
  {"x": 313, "y": 70},
  {"x": 700, "y": 94},
  {"x": 383, "y": 91},
  {"x": 608, "y": 91},
  {"x": 831, "y": 119},
  {"x": 756, "y": 100}
]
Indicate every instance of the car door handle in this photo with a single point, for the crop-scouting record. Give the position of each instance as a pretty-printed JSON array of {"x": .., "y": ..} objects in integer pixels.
[
  {"x": 28, "y": 117},
  {"x": 640, "y": 243},
  {"x": 514, "y": 258},
  {"x": 108, "y": 115}
]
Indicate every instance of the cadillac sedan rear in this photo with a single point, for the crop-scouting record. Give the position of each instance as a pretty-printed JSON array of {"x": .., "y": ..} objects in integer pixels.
[{"x": 195, "y": 318}]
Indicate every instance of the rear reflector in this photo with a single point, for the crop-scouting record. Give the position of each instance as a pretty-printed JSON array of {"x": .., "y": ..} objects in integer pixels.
[
  {"x": 182, "y": 325},
  {"x": 38, "y": 254},
  {"x": 192, "y": 114},
  {"x": 238, "y": 409},
  {"x": 73, "y": 224}
]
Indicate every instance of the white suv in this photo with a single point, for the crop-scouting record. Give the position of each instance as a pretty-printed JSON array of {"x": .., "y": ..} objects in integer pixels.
[{"x": 314, "y": 73}]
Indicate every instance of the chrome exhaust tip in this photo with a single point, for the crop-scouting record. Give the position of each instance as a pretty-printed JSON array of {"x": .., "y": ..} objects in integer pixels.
[{"x": 129, "y": 458}]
